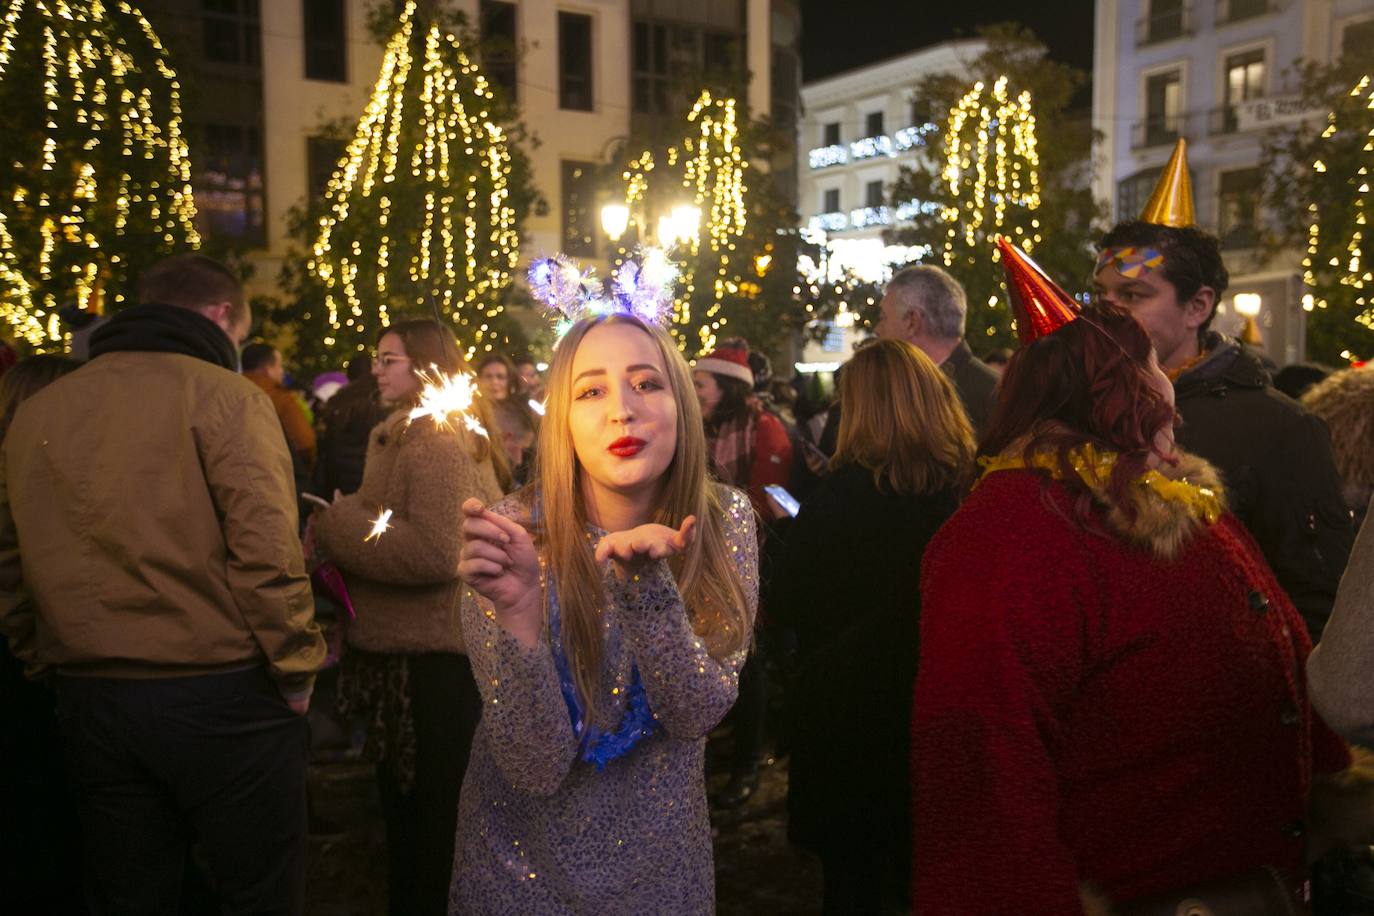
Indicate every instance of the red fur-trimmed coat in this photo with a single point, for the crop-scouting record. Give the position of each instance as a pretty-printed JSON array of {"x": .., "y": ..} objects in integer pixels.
[{"x": 1122, "y": 708}]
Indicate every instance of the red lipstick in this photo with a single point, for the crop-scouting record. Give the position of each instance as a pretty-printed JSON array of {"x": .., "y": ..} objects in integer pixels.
[{"x": 626, "y": 447}]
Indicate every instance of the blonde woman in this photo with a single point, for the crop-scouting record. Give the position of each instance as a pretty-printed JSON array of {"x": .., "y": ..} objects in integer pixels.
[
  {"x": 610, "y": 612},
  {"x": 848, "y": 581}
]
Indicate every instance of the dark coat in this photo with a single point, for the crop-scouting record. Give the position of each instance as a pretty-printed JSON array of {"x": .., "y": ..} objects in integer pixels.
[
  {"x": 348, "y": 418},
  {"x": 848, "y": 581},
  {"x": 976, "y": 383},
  {"x": 1276, "y": 460}
]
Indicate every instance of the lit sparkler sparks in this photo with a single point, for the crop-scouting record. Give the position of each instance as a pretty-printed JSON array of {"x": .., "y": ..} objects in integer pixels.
[
  {"x": 380, "y": 525},
  {"x": 446, "y": 398}
]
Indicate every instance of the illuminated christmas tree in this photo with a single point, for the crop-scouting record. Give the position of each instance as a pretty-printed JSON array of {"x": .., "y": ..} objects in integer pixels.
[
  {"x": 1338, "y": 269},
  {"x": 693, "y": 199},
  {"x": 418, "y": 217},
  {"x": 96, "y": 180}
]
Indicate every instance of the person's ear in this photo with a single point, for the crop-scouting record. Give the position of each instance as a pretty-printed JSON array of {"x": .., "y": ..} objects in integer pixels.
[{"x": 1199, "y": 307}]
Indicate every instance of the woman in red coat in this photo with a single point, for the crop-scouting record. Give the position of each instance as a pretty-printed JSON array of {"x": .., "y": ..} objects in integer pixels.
[{"x": 1110, "y": 701}]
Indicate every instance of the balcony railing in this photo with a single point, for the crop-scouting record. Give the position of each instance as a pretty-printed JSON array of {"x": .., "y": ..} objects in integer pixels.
[
  {"x": 1157, "y": 131},
  {"x": 1222, "y": 120},
  {"x": 908, "y": 138},
  {"x": 1237, "y": 10},
  {"x": 1164, "y": 26}
]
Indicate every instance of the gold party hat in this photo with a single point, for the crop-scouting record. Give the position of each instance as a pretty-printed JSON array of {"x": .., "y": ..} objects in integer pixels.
[{"x": 1172, "y": 202}]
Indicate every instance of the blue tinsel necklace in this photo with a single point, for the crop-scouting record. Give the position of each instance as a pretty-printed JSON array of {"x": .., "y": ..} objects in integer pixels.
[{"x": 596, "y": 745}]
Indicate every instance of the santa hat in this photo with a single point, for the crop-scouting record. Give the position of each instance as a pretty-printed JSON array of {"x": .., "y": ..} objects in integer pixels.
[
  {"x": 1172, "y": 202},
  {"x": 1040, "y": 306},
  {"x": 732, "y": 362}
]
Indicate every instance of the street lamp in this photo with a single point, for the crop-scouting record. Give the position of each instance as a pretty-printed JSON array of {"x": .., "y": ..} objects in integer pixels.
[
  {"x": 679, "y": 226},
  {"x": 1248, "y": 304},
  {"x": 615, "y": 219}
]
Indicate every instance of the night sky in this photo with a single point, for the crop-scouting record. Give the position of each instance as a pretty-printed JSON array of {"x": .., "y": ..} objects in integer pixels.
[{"x": 839, "y": 35}]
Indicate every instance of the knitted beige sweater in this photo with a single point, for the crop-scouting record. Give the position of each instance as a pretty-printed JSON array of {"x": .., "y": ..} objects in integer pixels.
[{"x": 404, "y": 585}]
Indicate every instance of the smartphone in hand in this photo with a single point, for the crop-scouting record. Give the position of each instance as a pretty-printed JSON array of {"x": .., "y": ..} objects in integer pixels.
[{"x": 783, "y": 498}]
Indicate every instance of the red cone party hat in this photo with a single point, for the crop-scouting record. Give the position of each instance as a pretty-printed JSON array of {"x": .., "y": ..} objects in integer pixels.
[{"x": 1038, "y": 303}]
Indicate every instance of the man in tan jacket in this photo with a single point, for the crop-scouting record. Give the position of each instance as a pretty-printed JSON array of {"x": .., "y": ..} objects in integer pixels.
[{"x": 149, "y": 562}]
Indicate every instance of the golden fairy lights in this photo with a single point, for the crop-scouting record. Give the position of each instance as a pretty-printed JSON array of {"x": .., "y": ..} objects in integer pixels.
[
  {"x": 110, "y": 174},
  {"x": 712, "y": 166},
  {"x": 991, "y": 165},
  {"x": 1352, "y": 265},
  {"x": 427, "y": 128}
]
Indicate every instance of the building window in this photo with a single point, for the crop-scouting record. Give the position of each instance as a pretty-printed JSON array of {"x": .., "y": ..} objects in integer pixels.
[
  {"x": 1238, "y": 200},
  {"x": 1133, "y": 192},
  {"x": 1167, "y": 19},
  {"x": 650, "y": 65},
  {"x": 830, "y": 200},
  {"x": 1244, "y": 81},
  {"x": 229, "y": 187},
  {"x": 326, "y": 41},
  {"x": 322, "y": 155},
  {"x": 1244, "y": 76},
  {"x": 579, "y": 217},
  {"x": 830, "y": 134},
  {"x": 873, "y": 194},
  {"x": 499, "y": 44},
  {"x": 231, "y": 31},
  {"x": 1236, "y": 10},
  {"x": 574, "y": 62},
  {"x": 669, "y": 60},
  {"x": 1357, "y": 38},
  {"x": 873, "y": 124},
  {"x": 1163, "y": 109}
]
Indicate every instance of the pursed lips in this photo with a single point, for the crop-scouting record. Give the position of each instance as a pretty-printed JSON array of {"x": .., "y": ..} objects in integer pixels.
[{"x": 626, "y": 446}]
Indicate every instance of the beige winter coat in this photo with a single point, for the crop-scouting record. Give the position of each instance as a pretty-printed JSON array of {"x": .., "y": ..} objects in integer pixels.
[{"x": 404, "y": 584}]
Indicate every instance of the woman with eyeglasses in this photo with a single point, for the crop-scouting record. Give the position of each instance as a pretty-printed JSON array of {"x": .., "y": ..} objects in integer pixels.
[{"x": 405, "y": 669}]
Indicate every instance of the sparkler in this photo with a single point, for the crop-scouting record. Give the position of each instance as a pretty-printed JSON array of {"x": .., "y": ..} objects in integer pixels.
[
  {"x": 380, "y": 525},
  {"x": 446, "y": 398}
]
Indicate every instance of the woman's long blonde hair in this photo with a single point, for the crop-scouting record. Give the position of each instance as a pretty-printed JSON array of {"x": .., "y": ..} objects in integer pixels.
[
  {"x": 706, "y": 574},
  {"x": 901, "y": 418}
]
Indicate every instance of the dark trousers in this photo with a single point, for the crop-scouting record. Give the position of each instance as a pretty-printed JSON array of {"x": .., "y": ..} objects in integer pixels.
[
  {"x": 420, "y": 824},
  {"x": 867, "y": 877},
  {"x": 155, "y": 763}
]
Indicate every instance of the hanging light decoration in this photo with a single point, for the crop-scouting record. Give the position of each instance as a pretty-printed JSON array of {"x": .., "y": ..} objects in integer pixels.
[
  {"x": 98, "y": 181},
  {"x": 418, "y": 212}
]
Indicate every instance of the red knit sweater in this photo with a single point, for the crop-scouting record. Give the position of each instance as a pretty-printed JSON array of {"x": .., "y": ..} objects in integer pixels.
[{"x": 1087, "y": 713}]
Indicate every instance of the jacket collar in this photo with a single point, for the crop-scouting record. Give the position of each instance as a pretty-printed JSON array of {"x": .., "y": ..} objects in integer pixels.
[
  {"x": 1228, "y": 363},
  {"x": 154, "y": 328},
  {"x": 1169, "y": 506}
]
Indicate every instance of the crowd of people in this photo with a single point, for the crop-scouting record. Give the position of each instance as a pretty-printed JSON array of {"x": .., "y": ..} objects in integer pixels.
[{"x": 1034, "y": 639}]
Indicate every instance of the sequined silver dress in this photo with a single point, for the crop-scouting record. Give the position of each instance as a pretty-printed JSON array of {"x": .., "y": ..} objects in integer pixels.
[{"x": 541, "y": 831}]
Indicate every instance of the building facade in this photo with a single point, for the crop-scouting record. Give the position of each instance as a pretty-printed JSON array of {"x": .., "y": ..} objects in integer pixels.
[
  {"x": 858, "y": 131},
  {"x": 1218, "y": 73},
  {"x": 266, "y": 81}
]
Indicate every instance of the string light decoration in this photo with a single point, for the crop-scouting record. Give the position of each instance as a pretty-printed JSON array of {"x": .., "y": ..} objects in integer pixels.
[
  {"x": 96, "y": 181},
  {"x": 707, "y": 169},
  {"x": 992, "y": 170},
  {"x": 418, "y": 214},
  {"x": 1344, "y": 252}
]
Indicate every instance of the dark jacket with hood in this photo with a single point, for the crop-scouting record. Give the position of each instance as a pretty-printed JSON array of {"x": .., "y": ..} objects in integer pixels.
[{"x": 1280, "y": 475}]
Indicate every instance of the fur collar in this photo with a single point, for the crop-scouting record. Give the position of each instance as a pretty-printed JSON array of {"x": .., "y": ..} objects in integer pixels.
[{"x": 1168, "y": 506}]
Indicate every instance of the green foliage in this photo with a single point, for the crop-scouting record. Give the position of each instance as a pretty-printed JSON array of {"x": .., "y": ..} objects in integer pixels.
[
  {"x": 1067, "y": 220},
  {"x": 94, "y": 173},
  {"x": 1299, "y": 196}
]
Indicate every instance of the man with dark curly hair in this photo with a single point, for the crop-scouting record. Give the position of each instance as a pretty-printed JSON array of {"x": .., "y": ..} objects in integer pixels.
[{"x": 1275, "y": 455}]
